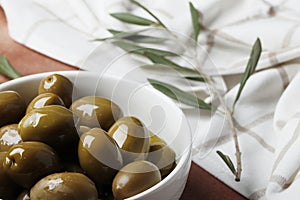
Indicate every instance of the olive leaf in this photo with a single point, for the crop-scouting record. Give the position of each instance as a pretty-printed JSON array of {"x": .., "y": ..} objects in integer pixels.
[
  {"x": 250, "y": 69},
  {"x": 195, "y": 21},
  {"x": 116, "y": 32},
  {"x": 200, "y": 78},
  {"x": 7, "y": 69},
  {"x": 134, "y": 36},
  {"x": 118, "y": 35},
  {"x": 149, "y": 12},
  {"x": 173, "y": 71},
  {"x": 190, "y": 74},
  {"x": 179, "y": 95},
  {"x": 228, "y": 161},
  {"x": 133, "y": 19},
  {"x": 146, "y": 39},
  {"x": 159, "y": 59},
  {"x": 132, "y": 48},
  {"x": 184, "y": 70}
]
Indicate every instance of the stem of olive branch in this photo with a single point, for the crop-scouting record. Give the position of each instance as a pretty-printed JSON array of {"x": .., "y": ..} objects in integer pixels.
[{"x": 229, "y": 116}]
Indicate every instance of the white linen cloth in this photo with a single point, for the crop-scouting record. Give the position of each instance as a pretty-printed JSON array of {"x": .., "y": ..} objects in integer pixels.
[{"x": 266, "y": 116}]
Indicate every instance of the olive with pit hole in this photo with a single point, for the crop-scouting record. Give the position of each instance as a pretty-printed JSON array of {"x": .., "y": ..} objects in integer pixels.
[
  {"x": 43, "y": 100},
  {"x": 99, "y": 156},
  {"x": 132, "y": 137},
  {"x": 96, "y": 112},
  {"x": 163, "y": 157},
  {"x": 66, "y": 186},
  {"x": 54, "y": 125},
  {"x": 9, "y": 136},
  {"x": 59, "y": 85},
  {"x": 27, "y": 162},
  {"x": 12, "y": 107},
  {"x": 134, "y": 178}
]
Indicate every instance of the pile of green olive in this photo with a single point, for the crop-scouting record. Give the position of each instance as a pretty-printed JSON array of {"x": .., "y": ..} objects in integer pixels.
[{"x": 55, "y": 148}]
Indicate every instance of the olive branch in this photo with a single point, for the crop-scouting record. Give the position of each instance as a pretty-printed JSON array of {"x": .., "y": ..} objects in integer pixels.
[{"x": 162, "y": 60}]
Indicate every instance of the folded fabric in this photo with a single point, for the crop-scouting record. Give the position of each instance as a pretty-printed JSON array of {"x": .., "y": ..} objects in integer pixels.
[
  {"x": 254, "y": 117},
  {"x": 268, "y": 130}
]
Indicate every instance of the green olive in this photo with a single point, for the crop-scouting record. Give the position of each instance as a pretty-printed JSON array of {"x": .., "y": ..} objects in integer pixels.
[
  {"x": 9, "y": 136},
  {"x": 134, "y": 178},
  {"x": 12, "y": 107},
  {"x": 59, "y": 85},
  {"x": 54, "y": 125},
  {"x": 8, "y": 188},
  {"x": 27, "y": 162},
  {"x": 24, "y": 195},
  {"x": 155, "y": 139},
  {"x": 96, "y": 112},
  {"x": 43, "y": 100},
  {"x": 99, "y": 156},
  {"x": 163, "y": 157},
  {"x": 132, "y": 137},
  {"x": 66, "y": 186}
]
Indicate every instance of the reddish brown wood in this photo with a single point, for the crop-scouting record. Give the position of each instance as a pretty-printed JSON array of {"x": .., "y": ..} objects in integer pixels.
[
  {"x": 25, "y": 60},
  {"x": 200, "y": 185}
]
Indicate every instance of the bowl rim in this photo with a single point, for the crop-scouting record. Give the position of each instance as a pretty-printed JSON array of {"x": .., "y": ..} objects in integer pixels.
[{"x": 184, "y": 157}]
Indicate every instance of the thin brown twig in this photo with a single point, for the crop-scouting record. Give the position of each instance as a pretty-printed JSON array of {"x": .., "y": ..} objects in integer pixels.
[{"x": 229, "y": 117}]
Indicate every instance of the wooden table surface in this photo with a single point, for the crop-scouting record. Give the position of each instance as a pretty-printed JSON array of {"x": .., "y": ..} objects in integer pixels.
[{"x": 200, "y": 185}]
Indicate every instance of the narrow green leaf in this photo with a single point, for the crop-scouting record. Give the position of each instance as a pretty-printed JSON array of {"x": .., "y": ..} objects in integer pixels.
[
  {"x": 122, "y": 34},
  {"x": 133, "y": 19},
  {"x": 159, "y": 59},
  {"x": 172, "y": 71},
  {"x": 146, "y": 39},
  {"x": 201, "y": 79},
  {"x": 119, "y": 35},
  {"x": 149, "y": 12},
  {"x": 250, "y": 69},
  {"x": 195, "y": 21},
  {"x": 227, "y": 161},
  {"x": 136, "y": 37},
  {"x": 101, "y": 39},
  {"x": 114, "y": 32},
  {"x": 179, "y": 95},
  {"x": 7, "y": 69},
  {"x": 132, "y": 48},
  {"x": 168, "y": 63}
]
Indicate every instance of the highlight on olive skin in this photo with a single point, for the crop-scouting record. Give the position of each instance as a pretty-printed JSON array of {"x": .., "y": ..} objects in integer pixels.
[
  {"x": 44, "y": 99},
  {"x": 96, "y": 112},
  {"x": 9, "y": 136},
  {"x": 132, "y": 137},
  {"x": 24, "y": 195},
  {"x": 58, "y": 148}
]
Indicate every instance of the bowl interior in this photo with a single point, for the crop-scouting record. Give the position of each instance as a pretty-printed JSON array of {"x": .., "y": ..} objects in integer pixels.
[{"x": 158, "y": 113}]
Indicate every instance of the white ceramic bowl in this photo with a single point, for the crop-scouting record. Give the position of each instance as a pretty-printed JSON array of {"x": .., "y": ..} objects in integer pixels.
[{"x": 158, "y": 112}]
